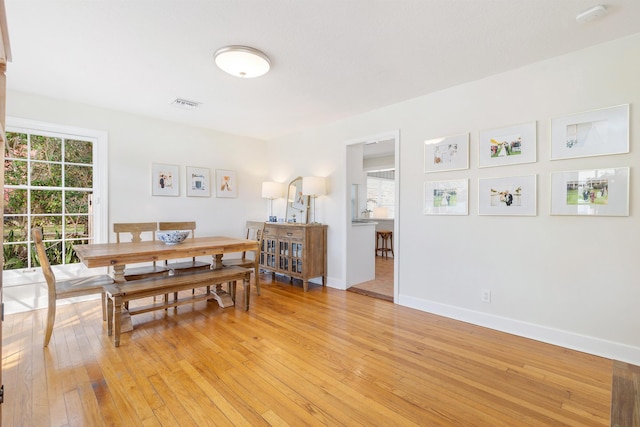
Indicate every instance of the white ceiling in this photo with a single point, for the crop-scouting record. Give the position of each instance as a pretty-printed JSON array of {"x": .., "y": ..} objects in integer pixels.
[{"x": 330, "y": 58}]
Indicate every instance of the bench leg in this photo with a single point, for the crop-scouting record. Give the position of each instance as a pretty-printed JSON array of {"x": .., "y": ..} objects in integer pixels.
[
  {"x": 231, "y": 289},
  {"x": 109, "y": 315},
  {"x": 246, "y": 291},
  {"x": 104, "y": 305},
  {"x": 117, "y": 319},
  {"x": 256, "y": 269}
]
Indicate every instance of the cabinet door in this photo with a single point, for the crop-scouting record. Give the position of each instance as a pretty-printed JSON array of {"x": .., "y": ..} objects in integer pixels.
[
  {"x": 297, "y": 249},
  {"x": 268, "y": 253},
  {"x": 284, "y": 246}
]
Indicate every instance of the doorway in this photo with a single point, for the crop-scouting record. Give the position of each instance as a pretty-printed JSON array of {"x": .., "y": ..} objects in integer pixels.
[{"x": 373, "y": 185}]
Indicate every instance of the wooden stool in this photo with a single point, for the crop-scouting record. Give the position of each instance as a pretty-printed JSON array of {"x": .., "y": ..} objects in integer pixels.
[{"x": 384, "y": 243}]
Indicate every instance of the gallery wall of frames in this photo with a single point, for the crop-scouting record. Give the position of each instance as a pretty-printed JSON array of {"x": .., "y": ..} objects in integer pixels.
[{"x": 595, "y": 192}]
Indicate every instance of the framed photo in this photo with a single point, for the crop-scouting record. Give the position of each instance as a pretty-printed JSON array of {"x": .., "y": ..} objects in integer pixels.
[
  {"x": 226, "y": 183},
  {"x": 507, "y": 145},
  {"x": 165, "y": 180},
  {"x": 198, "y": 184},
  {"x": 602, "y": 192},
  {"x": 513, "y": 195},
  {"x": 593, "y": 133},
  {"x": 445, "y": 154},
  {"x": 446, "y": 197}
]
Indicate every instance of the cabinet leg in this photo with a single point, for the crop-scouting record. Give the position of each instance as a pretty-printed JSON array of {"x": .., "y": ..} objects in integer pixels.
[{"x": 305, "y": 285}]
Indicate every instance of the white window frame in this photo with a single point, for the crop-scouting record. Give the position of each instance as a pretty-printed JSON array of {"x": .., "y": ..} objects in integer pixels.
[
  {"x": 392, "y": 206},
  {"x": 100, "y": 192}
]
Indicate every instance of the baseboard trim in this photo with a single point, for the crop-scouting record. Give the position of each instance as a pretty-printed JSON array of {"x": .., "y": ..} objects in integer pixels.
[{"x": 566, "y": 339}]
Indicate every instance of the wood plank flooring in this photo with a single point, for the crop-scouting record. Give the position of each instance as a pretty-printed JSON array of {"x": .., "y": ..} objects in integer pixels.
[
  {"x": 625, "y": 405},
  {"x": 325, "y": 357},
  {"x": 382, "y": 286}
]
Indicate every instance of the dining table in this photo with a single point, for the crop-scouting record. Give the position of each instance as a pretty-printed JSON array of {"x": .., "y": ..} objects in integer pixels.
[{"x": 119, "y": 255}]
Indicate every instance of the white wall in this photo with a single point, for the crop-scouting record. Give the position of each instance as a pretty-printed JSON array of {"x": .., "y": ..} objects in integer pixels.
[
  {"x": 565, "y": 280},
  {"x": 135, "y": 143},
  {"x": 541, "y": 285}
]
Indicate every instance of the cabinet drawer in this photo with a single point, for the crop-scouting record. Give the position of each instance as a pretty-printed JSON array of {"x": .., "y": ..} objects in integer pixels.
[
  {"x": 295, "y": 233},
  {"x": 270, "y": 232}
]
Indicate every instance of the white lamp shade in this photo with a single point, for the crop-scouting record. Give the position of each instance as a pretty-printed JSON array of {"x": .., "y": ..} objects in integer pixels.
[
  {"x": 242, "y": 61},
  {"x": 314, "y": 186},
  {"x": 380, "y": 212},
  {"x": 271, "y": 190}
]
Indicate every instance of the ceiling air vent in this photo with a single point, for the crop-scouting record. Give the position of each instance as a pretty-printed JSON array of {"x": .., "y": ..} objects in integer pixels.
[{"x": 185, "y": 104}]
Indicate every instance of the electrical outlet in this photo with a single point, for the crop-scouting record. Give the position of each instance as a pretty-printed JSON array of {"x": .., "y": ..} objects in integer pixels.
[{"x": 486, "y": 295}]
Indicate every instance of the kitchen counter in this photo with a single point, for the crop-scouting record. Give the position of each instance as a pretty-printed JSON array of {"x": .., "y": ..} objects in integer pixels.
[{"x": 380, "y": 223}]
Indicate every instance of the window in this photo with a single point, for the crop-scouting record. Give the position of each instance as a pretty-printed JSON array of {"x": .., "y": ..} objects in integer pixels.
[
  {"x": 381, "y": 189},
  {"x": 52, "y": 180}
]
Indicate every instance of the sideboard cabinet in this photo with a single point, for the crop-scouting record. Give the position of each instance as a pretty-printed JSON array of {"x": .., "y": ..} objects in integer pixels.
[{"x": 295, "y": 250}]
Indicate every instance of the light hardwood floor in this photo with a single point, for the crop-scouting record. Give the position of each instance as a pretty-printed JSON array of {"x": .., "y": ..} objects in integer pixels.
[
  {"x": 324, "y": 357},
  {"x": 382, "y": 286}
]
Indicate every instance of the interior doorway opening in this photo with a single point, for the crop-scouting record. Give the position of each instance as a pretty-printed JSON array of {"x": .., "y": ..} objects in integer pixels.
[{"x": 373, "y": 183}]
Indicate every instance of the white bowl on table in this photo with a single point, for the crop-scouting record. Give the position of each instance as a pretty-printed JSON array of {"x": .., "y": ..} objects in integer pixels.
[{"x": 173, "y": 237}]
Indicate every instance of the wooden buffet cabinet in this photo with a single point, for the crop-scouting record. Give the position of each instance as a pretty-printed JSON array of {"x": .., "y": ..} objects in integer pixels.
[{"x": 295, "y": 250}]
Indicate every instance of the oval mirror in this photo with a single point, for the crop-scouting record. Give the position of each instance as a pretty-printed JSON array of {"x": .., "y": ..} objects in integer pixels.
[{"x": 297, "y": 203}]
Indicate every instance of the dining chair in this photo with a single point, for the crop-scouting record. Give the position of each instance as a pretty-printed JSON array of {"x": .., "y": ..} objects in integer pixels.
[
  {"x": 69, "y": 288},
  {"x": 254, "y": 230},
  {"x": 183, "y": 266},
  {"x": 135, "y": 230}
]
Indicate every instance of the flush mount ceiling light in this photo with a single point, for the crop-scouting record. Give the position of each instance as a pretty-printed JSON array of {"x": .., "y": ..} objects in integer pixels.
[{"x": 242, "y": 61}]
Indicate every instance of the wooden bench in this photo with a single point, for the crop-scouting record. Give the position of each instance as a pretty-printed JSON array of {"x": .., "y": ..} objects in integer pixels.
[{"x": 120, "y": 293}]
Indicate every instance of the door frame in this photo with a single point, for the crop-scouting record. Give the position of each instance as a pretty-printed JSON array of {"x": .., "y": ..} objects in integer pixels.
[{"x": 383, "y": 136}]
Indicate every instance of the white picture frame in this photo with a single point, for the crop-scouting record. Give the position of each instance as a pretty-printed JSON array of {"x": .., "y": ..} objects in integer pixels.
[
  {"x": 592, "y": 192},
  {"x": 592, "y": 133},
  {"x": 165, "y": 180},
  {"x": 446, "y": 153},
  {"x": 226, "y": 183},
  {"x": 511, "y": 195},
  {"x": 198, "y": 182},
  {"x": 507, "y": 145},
  {"x": 447, "y": 197}
]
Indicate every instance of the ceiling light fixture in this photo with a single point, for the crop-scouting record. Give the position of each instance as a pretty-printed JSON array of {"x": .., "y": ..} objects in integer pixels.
[{"x": 242, "y": 61}]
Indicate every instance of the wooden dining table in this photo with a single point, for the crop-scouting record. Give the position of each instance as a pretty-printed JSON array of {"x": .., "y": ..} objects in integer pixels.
[{"x": 119, "y": 255}]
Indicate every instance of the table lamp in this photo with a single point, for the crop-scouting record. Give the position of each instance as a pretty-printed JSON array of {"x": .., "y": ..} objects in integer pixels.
[
  {"x": 271, "y": 190},
  {"x": 314, "y": 186}
]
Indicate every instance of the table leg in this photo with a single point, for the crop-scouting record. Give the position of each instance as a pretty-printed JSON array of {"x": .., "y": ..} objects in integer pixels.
[
  {"x": 222, "y": 296},
  {"x": 217, "y": 261},
  {"x": 118, "y": 273}
]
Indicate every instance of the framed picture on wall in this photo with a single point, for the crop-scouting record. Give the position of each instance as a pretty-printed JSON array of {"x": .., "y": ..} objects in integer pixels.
[
  {"x": 198, "y": 184},
  {"x": 597, "y": 192},
  {"x": 226, "y": 183},
  {"x": 592, "y": 133},
  {"x": 447, "y": 153},
  {"x": 165, "y": 180},
  {"x": 513, "y": 195},
  {"x": 449, "y": 197},
  {"x": 507, "y": 145}
]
